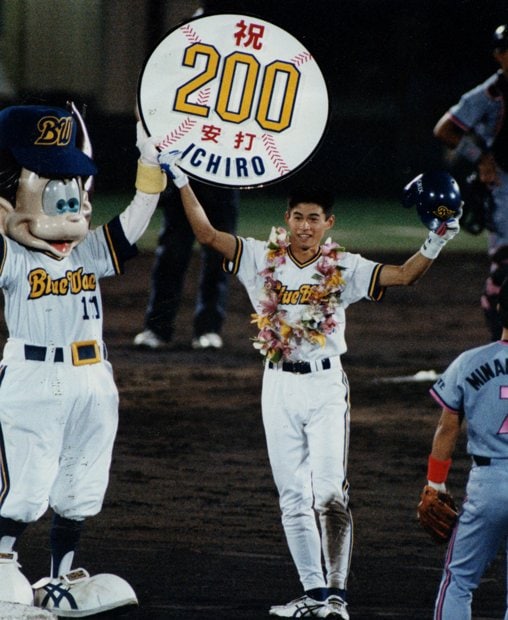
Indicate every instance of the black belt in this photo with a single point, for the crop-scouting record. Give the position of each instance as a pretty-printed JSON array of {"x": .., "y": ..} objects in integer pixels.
[
  {"x": 301, "y": 368},
  {"x": 81, "y": 353},
  {"x": 38, "y": 354},
  {"x": 481, "y": 461}
]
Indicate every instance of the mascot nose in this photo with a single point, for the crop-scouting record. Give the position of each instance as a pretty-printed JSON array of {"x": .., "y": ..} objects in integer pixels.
[{"x": 67, "y": 206}]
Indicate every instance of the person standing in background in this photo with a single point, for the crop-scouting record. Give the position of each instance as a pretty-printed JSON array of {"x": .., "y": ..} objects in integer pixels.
[
  {"x": 476, "y": 129},
  {"x": 172, "y": 259}
]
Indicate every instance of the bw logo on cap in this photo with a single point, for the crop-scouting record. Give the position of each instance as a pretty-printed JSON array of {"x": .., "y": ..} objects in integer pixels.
[{"x": 43, "y": 139}]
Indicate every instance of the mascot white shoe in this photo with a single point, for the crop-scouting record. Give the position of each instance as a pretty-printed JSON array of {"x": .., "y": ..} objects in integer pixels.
[
  {"x": 14, "y": 586},
  {"x": 77, "y": 595}
]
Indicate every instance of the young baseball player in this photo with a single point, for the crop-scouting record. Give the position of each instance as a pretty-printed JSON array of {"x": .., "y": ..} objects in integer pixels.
[
  {"x": 473, "y": 387},
  {"x": 58, "y": 399},
  {"x": 300, "y": 288},
  {"x": 476, "y": 129}
]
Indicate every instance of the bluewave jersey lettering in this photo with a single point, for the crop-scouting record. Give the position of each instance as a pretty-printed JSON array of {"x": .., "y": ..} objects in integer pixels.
[
  {"x": 292, "y": 297},
  {"x": 73, "y": 282}
]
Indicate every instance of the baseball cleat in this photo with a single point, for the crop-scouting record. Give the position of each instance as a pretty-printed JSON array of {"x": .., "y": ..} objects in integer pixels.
[
  {"x": 303, "y": 607},
  {"x": 14, "y": 586},
  {"x": 337, "y": 607},
  {"x": 149, "y": 340},
  {"x": 207, "y": 341},
  {"x": 77, "y": 595}
]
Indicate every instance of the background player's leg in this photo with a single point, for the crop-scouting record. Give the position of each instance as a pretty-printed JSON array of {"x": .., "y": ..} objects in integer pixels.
[
  {"x": 172, "y": 259},
  {"x": 483, "y": 522},
  {"x": 221, "y": 206},
  {"x": 212, "y": 294}
]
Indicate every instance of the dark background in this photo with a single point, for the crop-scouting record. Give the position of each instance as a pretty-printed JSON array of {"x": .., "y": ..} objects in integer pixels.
[{"x": 393, "y": 67}]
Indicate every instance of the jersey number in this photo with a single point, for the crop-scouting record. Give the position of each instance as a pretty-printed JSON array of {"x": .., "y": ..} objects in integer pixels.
[
  {"x": 90, "y": 308},
  {"x": 243, "y": 69}
]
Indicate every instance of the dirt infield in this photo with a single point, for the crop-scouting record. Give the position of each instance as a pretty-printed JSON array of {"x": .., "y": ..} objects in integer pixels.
[{"x": 191, "y": 517}]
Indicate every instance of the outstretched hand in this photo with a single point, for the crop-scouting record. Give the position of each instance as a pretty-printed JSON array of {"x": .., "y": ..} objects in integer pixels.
[
  {"x": 147, "y": 146},
  {"x": 447, "y": 230},
  {"x": 436, "y": 241},
  {"x": 168, "y": 161}
]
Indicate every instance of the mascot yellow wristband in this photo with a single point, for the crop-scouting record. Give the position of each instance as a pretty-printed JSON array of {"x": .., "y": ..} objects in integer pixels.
[{"x": 150, "y": 179}]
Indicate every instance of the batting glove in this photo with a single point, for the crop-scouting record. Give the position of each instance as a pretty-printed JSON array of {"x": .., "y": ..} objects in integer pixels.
[
  {"x": 436, "y": 241},
  {"x": 168, "y": 161}
]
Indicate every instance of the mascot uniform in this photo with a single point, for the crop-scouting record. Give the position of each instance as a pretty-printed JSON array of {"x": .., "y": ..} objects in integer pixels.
[{"x": 58, "y": 398}]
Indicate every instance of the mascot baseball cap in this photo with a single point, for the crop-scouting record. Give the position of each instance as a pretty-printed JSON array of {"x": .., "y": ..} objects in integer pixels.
[{"x": 43, "y": 139}]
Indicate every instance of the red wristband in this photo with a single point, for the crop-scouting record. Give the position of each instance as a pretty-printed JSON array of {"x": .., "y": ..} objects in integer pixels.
[{"x": 437, "y": 470}]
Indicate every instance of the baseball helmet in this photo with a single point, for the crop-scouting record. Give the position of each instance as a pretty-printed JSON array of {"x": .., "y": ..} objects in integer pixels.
[
  {"x": 436, "y": 196},
  {"x": 500, "y": 37}
]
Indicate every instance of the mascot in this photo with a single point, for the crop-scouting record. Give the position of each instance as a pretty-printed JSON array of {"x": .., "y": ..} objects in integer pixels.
[{"x": 58, "y": 398}]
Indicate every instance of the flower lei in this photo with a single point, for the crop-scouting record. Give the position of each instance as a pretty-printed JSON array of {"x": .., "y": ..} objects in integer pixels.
[{"x": 277, "y": 338}]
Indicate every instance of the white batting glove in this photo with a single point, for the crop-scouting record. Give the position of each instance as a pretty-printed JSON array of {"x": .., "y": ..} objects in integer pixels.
[
  {"x": 146, "y": 146},
  {"x": 436, "y": 241},
  {"x": 168, "y": 161}
]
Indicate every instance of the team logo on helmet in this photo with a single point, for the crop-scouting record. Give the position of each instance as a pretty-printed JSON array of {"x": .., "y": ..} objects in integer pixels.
[{"x": 444, "y": 213}]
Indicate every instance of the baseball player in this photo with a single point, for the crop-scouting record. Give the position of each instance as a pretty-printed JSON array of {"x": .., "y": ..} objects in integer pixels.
[
  {"x": 476, "y": 129},
  {"x": 474, "y": 387},
  {"x": 58, "y": 399},
  {"x": 300, "y": 288}
]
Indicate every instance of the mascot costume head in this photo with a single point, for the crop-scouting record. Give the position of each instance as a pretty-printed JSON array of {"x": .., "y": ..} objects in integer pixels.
[{"x": 46, "y": 174}]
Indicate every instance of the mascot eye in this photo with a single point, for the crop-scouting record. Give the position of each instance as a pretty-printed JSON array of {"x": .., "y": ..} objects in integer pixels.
[
  {"x": 61, "y": 196},
  {"x": 61, "y": 205},
  {"x": 73, "y": 205}
]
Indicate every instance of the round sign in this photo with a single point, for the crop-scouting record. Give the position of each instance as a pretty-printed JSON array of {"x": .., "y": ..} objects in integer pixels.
[{"x": 243, "y": 101}]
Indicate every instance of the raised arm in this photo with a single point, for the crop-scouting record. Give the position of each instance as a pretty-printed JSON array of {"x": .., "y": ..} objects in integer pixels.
[
  {"x": 436, "y": 196},
  {"x": 417, "y": 265},
  {"x": 206, "y": 234},
  {"x": 468, "y": 146},
  {"x": 150, "y": 182}
]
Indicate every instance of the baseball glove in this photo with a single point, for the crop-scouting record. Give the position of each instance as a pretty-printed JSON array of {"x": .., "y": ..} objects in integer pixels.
[
  {"x": 477, "y": 208},
  {"x": 437, "y": 514}
]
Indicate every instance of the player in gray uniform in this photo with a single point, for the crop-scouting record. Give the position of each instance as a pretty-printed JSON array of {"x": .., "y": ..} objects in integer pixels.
[
  {"x": 300, "y": 289},
  {"x": 58, "y": 399},
  {"x": 476, "y": 129},
  {"x": 474, "y": 387}
]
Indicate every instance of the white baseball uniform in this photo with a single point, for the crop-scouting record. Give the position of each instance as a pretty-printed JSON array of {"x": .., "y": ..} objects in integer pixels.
[
  {"x": 58, "y": 399},
  {"x": 306, "y": 415}
]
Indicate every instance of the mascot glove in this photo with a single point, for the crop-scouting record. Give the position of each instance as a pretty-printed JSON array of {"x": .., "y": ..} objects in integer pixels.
[
  {"x": 147, "y": 146},
  {"x": 168, "y": 161},
  {"x": 436, "y": 241}
]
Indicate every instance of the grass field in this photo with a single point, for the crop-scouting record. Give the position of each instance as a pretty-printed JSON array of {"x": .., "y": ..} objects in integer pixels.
[{"x": 360, "y": 224}]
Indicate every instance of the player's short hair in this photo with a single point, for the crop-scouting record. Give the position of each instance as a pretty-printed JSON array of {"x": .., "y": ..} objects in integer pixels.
[
  {"x": 502, "y": 308},
  {"x": 312, "y": 194}
]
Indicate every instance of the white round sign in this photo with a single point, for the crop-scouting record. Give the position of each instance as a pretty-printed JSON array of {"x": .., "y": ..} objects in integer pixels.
[{"x": 243, "y": 101}]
